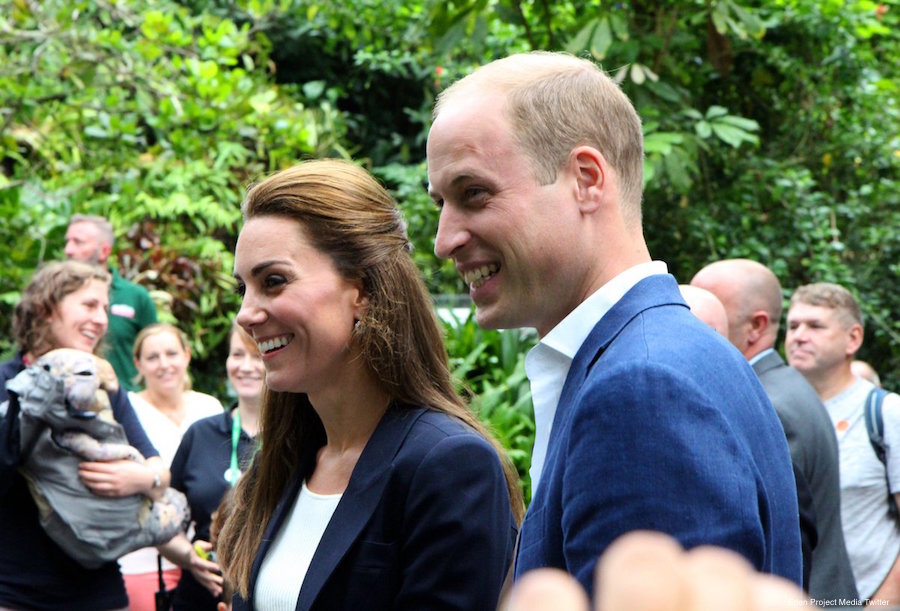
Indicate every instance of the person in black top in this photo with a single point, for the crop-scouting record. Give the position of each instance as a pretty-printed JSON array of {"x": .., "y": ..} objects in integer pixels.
[
  {"x": 213, "y": 453},
  {"x": 64, "y": 306}
]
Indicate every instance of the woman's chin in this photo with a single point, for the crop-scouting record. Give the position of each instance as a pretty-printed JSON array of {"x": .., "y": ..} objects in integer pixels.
[{"x": 250, "y": 394}]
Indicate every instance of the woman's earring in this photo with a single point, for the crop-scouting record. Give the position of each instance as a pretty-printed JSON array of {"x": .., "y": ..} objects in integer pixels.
[{"x": 356, "y": 325}]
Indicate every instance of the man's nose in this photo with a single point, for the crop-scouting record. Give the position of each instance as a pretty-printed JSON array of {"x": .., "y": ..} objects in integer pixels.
[{"x": 451, "y": 233}]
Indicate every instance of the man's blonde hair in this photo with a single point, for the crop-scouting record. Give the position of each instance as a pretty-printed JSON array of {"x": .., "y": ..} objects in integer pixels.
[
  {"x": 104, "y": 228},
  {"x": 556, "y": 102},
  {"x": 832, "y": 296}
]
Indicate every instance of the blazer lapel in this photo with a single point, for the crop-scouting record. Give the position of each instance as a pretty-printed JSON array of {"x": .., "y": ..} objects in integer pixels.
[
  {"x": 653, "y": 291},
  {"x": 359, "y": 501}
]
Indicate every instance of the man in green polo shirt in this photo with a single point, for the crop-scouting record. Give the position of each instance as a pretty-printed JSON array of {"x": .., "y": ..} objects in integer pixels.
[{"x": 90, "y": 239}]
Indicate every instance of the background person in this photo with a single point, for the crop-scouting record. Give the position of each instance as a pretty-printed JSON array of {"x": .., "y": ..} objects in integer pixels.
[
  {"x": 824, "y": 331},
  {"x": 536, "y": 163},
  {"x": 752, "y": 296},
  {"x": 706, "y": 306},
  {"x": 864, "y": 370},
  {"x": 90, "y": 239},
  {"x": 212, "y": 455},
  {"x": 64, "y": 306},
  {"x": 166, "y": 407},
  {"x": 374, "y": 486}
]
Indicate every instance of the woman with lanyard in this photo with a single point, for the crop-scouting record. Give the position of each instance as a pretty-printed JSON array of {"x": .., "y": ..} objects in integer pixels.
[{"x": 210, "y": 459}]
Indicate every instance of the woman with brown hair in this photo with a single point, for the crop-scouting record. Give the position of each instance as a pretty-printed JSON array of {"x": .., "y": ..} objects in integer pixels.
[
  {"x": 64, "y": 306},
  {"x": 374, "y": 487},
  {"x": 210, "y": 460}
]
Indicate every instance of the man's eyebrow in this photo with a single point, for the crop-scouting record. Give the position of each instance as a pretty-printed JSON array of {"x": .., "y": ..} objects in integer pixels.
[
  {"x": 459, "y": 178},
  {"x": 259, "y": 268}
]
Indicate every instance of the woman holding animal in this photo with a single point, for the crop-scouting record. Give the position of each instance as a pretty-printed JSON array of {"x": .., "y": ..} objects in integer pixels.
[
  {"x": 212, "y": 455},
  {"x": 374, "y": 486},
  {"x": 64, "y": 306},
  {"x": 166, "y": 407}
]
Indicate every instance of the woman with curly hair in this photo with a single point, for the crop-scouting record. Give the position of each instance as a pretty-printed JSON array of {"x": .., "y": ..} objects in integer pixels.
[{"x": 64, "y": 306}]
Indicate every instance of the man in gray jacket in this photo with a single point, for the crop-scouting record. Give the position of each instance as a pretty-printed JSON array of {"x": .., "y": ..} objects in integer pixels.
[{"x": 752, "y": 298}]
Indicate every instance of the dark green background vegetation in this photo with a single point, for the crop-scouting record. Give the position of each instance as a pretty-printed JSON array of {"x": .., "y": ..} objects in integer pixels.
[{"x": 771, "y": 133}]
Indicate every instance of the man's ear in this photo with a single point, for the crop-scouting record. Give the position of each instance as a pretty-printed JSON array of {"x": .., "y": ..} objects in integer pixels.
[
  {"x": 855, "y": 334},
  {"x": 105, "y": 251},
  {"x": 589, "y": 168},
  {"x": 759, "y": 326}
]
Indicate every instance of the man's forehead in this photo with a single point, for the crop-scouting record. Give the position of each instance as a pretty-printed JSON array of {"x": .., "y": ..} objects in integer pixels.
[
  {"x": 811, "y": 311},
  {"x": 83, "y": 229},
  {"x": 462, "y": 153}
]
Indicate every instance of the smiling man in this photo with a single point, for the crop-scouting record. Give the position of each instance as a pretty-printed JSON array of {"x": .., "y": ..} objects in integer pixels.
[
  {"x": 645, "y": 417},
  {"x": 90, "y": 239},
  {"x": 824, "y": 331}
]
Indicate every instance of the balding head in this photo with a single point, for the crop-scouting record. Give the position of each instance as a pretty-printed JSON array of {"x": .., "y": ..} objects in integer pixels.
[
  {"x": 706, "y": 307},
  {"x": 752, "y": 298}
]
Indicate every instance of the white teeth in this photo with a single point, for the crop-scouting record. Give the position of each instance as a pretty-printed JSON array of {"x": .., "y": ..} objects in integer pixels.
[
  {"x": 271, "y": 344},
  {"x": 478, "y": 276}
]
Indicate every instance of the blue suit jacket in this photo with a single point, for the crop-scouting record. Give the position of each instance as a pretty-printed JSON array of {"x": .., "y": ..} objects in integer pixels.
[
  {"x": 425, "y": 523},
  {"x": 662, "y": 425}
]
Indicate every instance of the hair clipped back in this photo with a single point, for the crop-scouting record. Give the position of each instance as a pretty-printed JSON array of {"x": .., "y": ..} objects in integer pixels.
[{"x": 348, "y": 216}]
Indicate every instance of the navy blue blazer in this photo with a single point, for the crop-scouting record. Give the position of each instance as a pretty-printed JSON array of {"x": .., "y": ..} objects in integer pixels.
[
  {"x": 662, "y": 425},
  {"x": 425, "y": 523}
]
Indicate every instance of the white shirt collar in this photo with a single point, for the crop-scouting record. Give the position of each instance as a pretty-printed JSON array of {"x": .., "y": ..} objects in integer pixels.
[
  {"x": 567, "y": 336},
  {"x": 547, "y": 364},
  {"x": 757, "y": 358}
]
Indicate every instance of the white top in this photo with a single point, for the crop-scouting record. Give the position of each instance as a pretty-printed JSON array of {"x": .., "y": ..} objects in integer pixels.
[
  {"x": 285, "y": 565},
  {"x": 163, "y": 432},
  {"x": 165, "y": 436},
  {"x": 548, "y": 363},
  {"x": 871, "y": 536}
]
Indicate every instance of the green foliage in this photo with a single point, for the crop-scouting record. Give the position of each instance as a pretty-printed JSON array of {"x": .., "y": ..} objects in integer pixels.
[
  {"x": 408, "y": 185},
  {"x": 772, "y": 131},
  {"x": 156, "y": 118},
  {"x": 490, "y": 369}
]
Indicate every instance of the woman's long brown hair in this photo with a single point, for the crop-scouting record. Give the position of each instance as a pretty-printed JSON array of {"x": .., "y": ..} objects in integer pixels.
[{"x": 354, "y": 220}]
